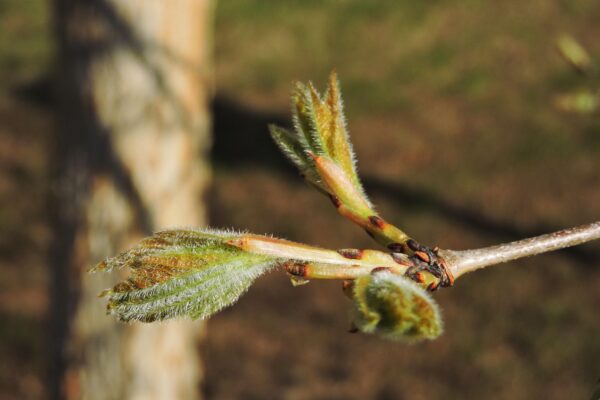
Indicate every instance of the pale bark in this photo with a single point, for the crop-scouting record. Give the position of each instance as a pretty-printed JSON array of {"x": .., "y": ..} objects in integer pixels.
[
  {"x": 134, "y": 127},
  {"x": 461, "y": 262}
]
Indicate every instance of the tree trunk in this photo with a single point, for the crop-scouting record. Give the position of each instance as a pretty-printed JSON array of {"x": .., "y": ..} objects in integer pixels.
[{"x": 133, "y": 131}]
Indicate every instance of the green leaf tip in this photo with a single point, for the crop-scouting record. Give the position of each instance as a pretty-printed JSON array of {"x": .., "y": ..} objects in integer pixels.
[
  {"x": 395, "y": 307},
  {"x": 182, "y": 273},
  {"x": 294, "y": 150},
  {"x": 320, "y": 148},
  {"x": 319, "y": 129}
]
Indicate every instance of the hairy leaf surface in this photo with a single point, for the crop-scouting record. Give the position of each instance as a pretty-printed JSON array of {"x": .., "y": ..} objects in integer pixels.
[
  {"x": 321, "y": 149},
  {"x": 395, "y": 307},
  {"x": 319, "y": 130},
  {"x": 182, "y": 273}
]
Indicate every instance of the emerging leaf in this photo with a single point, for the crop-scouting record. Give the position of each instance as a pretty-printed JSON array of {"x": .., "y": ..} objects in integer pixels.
[
  {"x": 182, "y": 273},
  {"x": 320, "y": 130},
  {"x": 395, "y": 307},
  {"x": 195, "y": 273},
  {"x": 293, "y": 149},
  {"x": 321, "y": 149}
]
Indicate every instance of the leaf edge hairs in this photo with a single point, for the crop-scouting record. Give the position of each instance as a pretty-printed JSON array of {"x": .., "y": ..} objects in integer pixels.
[{"x": 395, "y": 307}]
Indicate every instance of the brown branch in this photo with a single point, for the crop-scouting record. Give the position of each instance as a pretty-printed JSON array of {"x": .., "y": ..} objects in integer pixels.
[{"x": 461, "y": 262}]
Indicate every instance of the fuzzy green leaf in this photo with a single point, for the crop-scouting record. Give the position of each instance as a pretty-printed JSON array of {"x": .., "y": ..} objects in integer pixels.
[
  {"x": 320, "y": 130},
  {"x": 335, "y": 134},
  {"x": 292, "y": 148},
  {"x": 305, "y": 119},
  {"x": 182, "y": 273},
  {"x": 395, "y": 307},
  {"x": 321, "y": 149}
]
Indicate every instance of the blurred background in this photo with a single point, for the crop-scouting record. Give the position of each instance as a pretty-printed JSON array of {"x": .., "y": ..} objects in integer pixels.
[{"x": 470, "y": 129}]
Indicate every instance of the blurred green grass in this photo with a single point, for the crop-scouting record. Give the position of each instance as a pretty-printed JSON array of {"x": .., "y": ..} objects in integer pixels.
[{"x": 25, "y": 39}]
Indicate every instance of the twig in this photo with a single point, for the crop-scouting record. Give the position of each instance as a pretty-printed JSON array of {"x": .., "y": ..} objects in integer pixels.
[{"x": 461, "y": 262}]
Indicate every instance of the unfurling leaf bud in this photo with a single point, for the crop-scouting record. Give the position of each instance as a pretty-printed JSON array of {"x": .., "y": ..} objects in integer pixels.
[
  {"x": 321, "y": 149},
  {"x": 395, "y": 307},
  {"x": 182, "y": 273},
  {"x": 319, "y": 130}
]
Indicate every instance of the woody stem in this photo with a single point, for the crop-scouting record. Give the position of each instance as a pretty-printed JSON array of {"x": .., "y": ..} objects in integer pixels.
[{"x": 461, "y": 262}]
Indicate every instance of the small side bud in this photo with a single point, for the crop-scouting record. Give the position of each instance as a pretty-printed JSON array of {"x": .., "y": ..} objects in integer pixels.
[
  {"x": 377, "y": 221},
  {"x": 353, "y": 254},
  {"x": 296, "y": 269}
]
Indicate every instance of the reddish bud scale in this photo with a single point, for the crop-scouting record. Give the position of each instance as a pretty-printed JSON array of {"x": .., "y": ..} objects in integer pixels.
[
  {"x": 419, "y": 277},
  {"x": 353, "y": 254},
  {"x": 401, "y": 260},
  {"x": 377, "y": 222},
  {"x": 297, "y": 269},
  {"x": 335, "y": 200},
  {"x": 398, "y": 248},
  {"x": 448, "y": 273},
  {"x": 379, "y": 269},
  {"x": 348, "y": 287},
  {"x": 414, "y": 245},
  {"x": 423, "y": 256}
]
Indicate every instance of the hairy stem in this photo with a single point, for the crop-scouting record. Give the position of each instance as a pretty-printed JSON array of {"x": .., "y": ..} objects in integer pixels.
[{"x": 461, "y": 262}]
